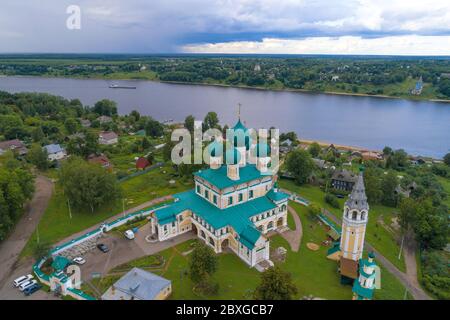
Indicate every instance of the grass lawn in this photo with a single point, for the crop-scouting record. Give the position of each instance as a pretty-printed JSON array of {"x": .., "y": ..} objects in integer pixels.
[
  {"x": 378, "y": 236},
  {"x": 56, "y": 223}
]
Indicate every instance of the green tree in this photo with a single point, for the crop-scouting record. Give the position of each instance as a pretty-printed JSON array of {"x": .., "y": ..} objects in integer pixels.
[
  {"x": 388, "y": 184},
  {"x": 37, "y": 134},
  {"x": 300, "y": 164},
  {"x": 38, "y": 156},
  {"x": 314, "y": 210},
  {"x": 276, "y": 284},
  {"x": 16, "y": 187},
  {"x": 447, "y": 159},
  {"x": 202, "y": 264},
  {"x": 314, "y": 149},
  {"x": 105, "y": 107},
  {"x": 88, "y": 185},
  {"x": 372, "y": 184},
  {"x": 71, "y": 125},
  {"x": 211, "y": 121},
  {"x": 154, "y": 128},
  {"x": 189, "y": 123}
]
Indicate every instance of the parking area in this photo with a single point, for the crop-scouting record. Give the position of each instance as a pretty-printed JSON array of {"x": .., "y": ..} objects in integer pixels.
[{"x": 121, "y": 250}]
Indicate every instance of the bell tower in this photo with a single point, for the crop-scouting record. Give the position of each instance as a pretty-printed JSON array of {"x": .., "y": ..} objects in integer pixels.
[{"x": 354, "y": 221}]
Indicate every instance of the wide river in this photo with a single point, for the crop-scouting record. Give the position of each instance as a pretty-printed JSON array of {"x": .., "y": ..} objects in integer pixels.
[{"x": 421, "y": 128}]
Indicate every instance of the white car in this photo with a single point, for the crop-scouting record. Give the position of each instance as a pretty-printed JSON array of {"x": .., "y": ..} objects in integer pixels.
[
  {"x": 27, "y": 284},
  {"x": 22, "y": 279},
  {"x": 79, "y": 260},
  {"x": 129, "y": 234}
]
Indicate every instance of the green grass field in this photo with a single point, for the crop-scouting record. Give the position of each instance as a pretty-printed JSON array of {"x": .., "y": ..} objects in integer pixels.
[
  {"x": 382, "y": 239},
  {"x": 56, "y": 223}
]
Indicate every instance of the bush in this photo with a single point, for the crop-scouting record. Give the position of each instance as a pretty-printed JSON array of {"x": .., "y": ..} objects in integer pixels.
[{"x": 332, "y": 201}]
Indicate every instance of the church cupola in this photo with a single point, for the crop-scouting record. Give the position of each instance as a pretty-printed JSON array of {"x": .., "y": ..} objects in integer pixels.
[
  {"x": 241, "y": 141},
  {"x": 356, "y": 211},
  {"x": 262, "y": 151},
  {"x": 215, "y": 150},
  {"x": 232, "y": 159}
]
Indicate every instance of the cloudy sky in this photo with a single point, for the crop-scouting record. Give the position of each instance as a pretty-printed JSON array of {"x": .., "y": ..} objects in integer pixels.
[{"x": 402, "y": 27}]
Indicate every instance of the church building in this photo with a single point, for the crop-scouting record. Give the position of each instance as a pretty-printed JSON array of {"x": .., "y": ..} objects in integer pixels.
[{"x": 235, "y": 202}]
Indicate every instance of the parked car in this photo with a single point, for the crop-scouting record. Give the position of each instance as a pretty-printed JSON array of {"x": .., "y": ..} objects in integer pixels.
[
  {"x": 22, "y": 279},
  {"x": 30, "y": 290},
  {"x": 102, "y": 247},
  {"x": 79, "y": 260},
  {"x": 129, "y": 234},
  {"x": 27, "y": 284}
]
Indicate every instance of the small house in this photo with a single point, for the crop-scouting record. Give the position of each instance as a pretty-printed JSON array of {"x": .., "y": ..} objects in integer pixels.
[
  {"x": 55, "y": 152},
  {"x": 142, "y": 163},
  {"x": 139, "y": 284},
  {"x": 101, "y": 160},
  {"x": 104, "y": 119},
  {"x": 108, "y": 137},
  {"x": 343, "y": 180},
  {"x": 13, "y": 145}
]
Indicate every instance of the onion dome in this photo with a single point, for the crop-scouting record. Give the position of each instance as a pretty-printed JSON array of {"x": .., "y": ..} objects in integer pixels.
[
  {"x": 240, "y": 126},
  {"x": 262, "y": 150},
  {"x": 232, "y": 156},
  {"x": 215, "y": 149}
]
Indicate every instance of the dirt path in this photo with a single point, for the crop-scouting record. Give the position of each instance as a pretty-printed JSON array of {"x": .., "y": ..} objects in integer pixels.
[
  {"x": 11, "y": 247},
  {"x": 294, "y": 237},
  {"x": 409, "y": 279}
]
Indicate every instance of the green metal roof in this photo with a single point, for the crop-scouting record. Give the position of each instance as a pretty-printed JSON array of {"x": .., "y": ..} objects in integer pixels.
[
  {"x": 277, "y": 196},
  {"x": 240, "y": 126},
  {"x": 362, "y": 292},
  {"x": 237, "y": 216},
  {"x": 60, "y": 262},
  {"x": 219, "y": 177}
]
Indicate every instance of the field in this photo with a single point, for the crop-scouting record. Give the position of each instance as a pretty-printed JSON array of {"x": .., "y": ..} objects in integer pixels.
[{"x": 56, "y": 223}]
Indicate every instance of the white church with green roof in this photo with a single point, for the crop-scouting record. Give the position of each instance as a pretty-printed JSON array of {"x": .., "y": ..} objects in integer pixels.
[{"x": 234, "y": 205}]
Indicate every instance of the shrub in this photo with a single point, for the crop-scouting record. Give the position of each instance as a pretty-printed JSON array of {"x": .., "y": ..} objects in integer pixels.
[{"x": 332, "y": 201}]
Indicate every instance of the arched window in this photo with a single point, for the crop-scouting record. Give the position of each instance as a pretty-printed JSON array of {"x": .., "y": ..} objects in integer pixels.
[
  {"x": 211, "y": 241},
  {"x": 363, "y": 215},
  {"x": 202, "y": 234},
  {"x": 346, "y": 213},
  {"x": 283, "y": 207},
  {"x": 354, "y": 215}
]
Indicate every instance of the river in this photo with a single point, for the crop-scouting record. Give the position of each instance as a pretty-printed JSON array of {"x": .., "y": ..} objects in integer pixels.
[{"x": 419, "y": 127}]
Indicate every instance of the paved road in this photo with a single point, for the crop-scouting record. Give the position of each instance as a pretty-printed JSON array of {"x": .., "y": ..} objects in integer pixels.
[
  {"x": 409, "y": 279},
  {"x": 13, "y": 245},
  {"x": 294, "y": 237}
]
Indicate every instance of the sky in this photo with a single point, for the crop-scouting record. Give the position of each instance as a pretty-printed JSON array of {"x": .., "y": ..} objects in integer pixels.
[{"x": 380, "y": 27}]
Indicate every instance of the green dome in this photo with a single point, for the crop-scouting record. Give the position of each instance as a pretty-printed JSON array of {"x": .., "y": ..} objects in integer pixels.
[
  {"x": 262, "y": 150},
  {"x": 240, "y": 126},
  {"x": 215, "y": 149},
  {"x": 232, "y": 156}
]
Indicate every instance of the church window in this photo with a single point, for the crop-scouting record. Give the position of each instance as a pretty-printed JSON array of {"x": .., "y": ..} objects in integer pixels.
[
  {"x": 215, "y": 199},
  {"x": 198, "y": 189},
  {"x": 230, "y": 200},
  {"x": 363, "y": 216},
  {"x": 241, "y": 197},
  {"x": 250, "y": 194},
  {"x": 206, "y": 194},
  {"x": 354, "y": 215}
]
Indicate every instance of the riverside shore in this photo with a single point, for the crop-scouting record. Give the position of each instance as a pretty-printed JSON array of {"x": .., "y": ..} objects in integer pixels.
[{"x": 137, "y": 78}]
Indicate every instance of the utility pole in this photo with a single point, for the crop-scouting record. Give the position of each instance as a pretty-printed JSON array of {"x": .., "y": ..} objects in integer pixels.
[
  {"x": 70, "y": 210},
  {"x": 401, "y": 248}
]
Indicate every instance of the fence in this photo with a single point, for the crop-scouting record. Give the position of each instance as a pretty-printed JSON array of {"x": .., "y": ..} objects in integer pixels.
[{"x": 138, "y": 173}]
